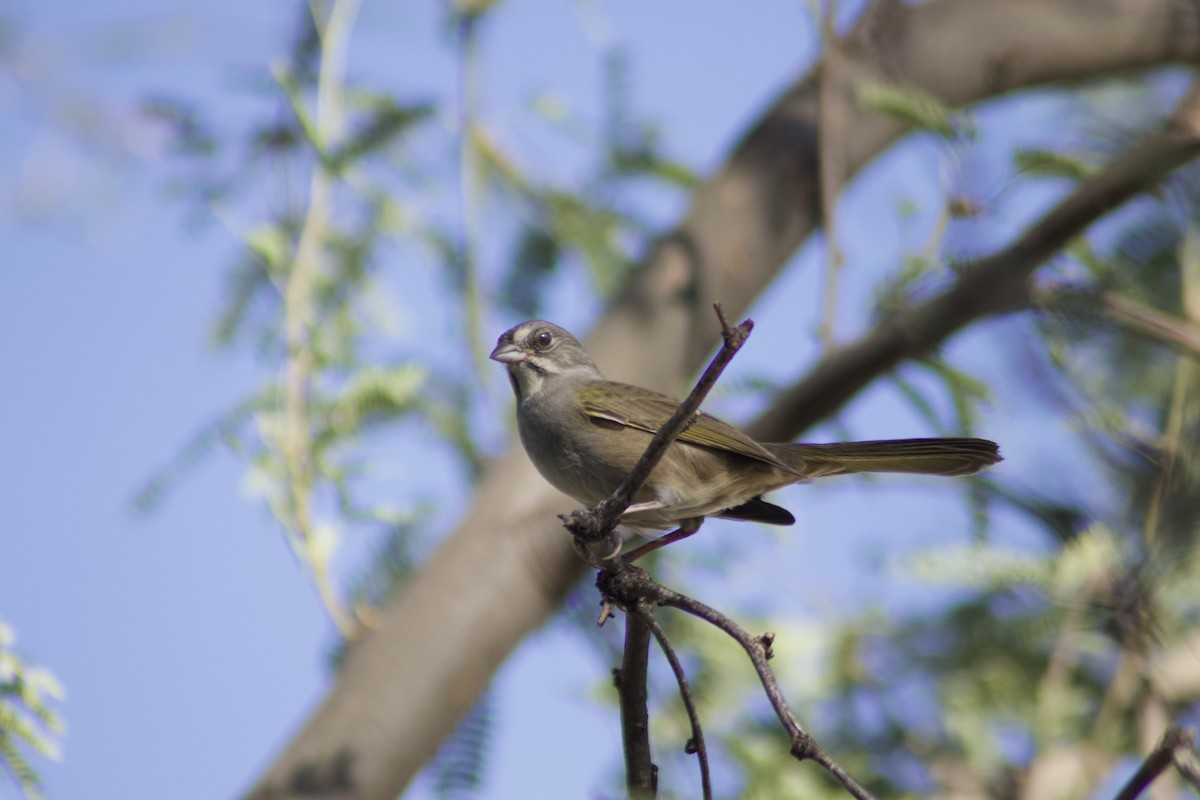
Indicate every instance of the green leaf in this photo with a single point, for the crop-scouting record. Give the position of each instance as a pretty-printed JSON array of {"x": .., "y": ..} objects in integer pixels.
[
  {"x": 1051, "y": 164},
  {"x": 910, "y": 105},
  {"x": 376, "y": 394},
  {"x": 293, "y": 89},
  {"x": 272, "y": 244},
  {"x": 25, "y": 719},
  {"x": 386, "y": 121}
]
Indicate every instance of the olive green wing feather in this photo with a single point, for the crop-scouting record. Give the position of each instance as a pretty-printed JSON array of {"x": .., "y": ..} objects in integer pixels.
[{"x": 644, "y": 410}]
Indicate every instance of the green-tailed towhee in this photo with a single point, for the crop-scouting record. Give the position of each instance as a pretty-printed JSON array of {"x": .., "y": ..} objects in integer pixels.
[{"x": 584, "y": 434}]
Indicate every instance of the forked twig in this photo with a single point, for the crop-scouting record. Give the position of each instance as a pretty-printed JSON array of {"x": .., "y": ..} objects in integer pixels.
[
  {"x": 631, "y": 586},
  {"x": 758, "y": 648}
]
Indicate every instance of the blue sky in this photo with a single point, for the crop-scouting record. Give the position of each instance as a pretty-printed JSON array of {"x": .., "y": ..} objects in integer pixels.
[{"x": 189, "y": 641}]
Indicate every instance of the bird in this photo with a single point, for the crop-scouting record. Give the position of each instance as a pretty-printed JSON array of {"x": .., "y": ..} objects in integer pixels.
[{"x": 584, "y": 434}]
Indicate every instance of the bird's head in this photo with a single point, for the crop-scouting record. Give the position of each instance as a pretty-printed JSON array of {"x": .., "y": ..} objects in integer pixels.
[{"x": 537, "y": 351}]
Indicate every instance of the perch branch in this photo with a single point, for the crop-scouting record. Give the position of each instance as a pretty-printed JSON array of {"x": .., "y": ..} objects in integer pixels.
[
  {"x": 641, "y": 776},
  {"x": 595, "y": 525}
]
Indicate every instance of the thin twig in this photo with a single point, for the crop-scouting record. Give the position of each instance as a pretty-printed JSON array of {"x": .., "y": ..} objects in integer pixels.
[
  {"x": 468, "y": 170},
  {"x": 758, "y": 648},
  {"x": 641, "y": 776},
  {"x": 596, "y": 524},
  {"x": 1174, "y": 741},
  {"x": 696, "y": 743},
  {"x": 832, "y": 120}
]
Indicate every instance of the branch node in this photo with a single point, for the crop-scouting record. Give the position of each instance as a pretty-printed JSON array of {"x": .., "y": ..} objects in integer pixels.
[{"x": 765, "y": 641}]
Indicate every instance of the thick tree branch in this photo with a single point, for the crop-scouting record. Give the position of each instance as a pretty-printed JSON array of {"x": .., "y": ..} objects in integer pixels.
[{"x": 403, "y": 688}]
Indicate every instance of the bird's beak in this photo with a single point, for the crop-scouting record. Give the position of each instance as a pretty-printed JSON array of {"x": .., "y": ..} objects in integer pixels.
[{"x": 508, "y": 353}]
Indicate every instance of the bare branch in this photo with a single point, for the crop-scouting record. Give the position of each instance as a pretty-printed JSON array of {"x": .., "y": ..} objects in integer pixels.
[
  {"x": 296, "y": 445},
  {"x": 632, "y": 585},
  {"x": 696, "y": 743},
  {"x": 641, "y": 776},
  {"x": 1174, "y": 741}
]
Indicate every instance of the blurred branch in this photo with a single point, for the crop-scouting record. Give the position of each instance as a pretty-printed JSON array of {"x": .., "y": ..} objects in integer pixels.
[
  {"x": 993, "y": 285},
  {"x": 467, "y": 30},
  {"x": 1181, "y": 334},
  {"x": 1187, "y": 378},
  {"x": 1178, "y": 333},
  {"x": 835, "y": 97},
  {"x": 299, "y": 307}
]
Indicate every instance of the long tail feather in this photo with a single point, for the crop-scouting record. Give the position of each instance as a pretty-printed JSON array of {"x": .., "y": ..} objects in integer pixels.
[{"x": 923, "y": 456}]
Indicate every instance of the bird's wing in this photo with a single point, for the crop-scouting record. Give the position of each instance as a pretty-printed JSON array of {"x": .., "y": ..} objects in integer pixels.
[{"x": 644, "y": 410}]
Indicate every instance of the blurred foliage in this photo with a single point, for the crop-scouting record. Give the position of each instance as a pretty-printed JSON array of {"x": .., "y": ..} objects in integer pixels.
[
  {"x": 27, "y": 720},
  {"x": 1066, "y": 647},
  {"x": 342, "y": 191},
  {"x": 1046, "y": 667},
  {"x": 913, "y": 106},
  {"x": 387, "y": 200},
  {"x": 459, "y": 769},
  {"x": 1049, "y": 667}
]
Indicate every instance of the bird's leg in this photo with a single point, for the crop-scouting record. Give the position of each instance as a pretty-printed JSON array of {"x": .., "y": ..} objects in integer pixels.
[{"x": 686, "y": 528}]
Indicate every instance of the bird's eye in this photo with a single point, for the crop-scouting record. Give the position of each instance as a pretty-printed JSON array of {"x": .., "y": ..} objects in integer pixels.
[{"x": 543, "y": 340}]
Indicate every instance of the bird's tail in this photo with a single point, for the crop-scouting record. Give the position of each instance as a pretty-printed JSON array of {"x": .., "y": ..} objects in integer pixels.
[{"x": 923, "y": 456}]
